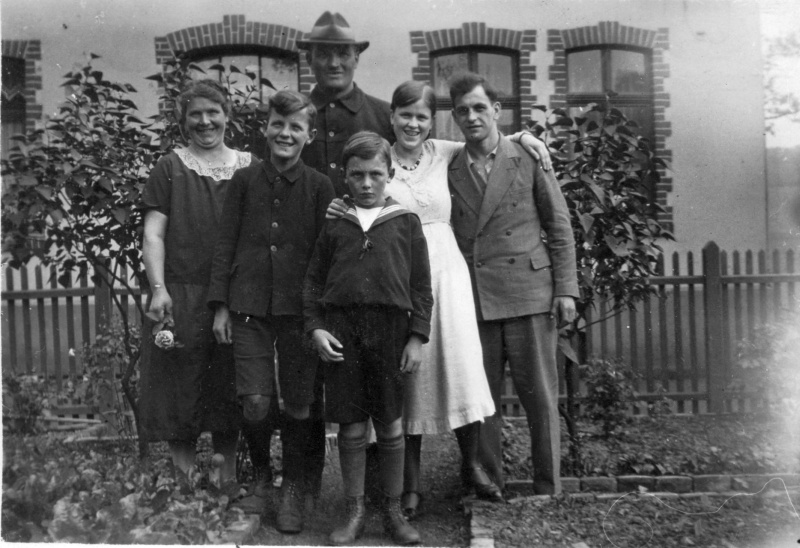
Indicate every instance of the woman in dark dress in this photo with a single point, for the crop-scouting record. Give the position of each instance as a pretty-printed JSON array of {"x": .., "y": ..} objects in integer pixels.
[{"x": 190, "y": 388}]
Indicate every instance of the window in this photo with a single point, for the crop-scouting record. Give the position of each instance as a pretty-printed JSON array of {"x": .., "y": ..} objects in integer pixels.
[
  {"x": 625, "y": 71},
  {"x": 280, "y": 68},
  {"x": 13, "y": 102},
  {"x": 498, "y": 66}
]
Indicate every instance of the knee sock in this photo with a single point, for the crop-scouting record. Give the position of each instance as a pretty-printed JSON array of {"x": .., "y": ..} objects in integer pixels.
[
  {"x": 295, "y": 435},
  {"x": 391, "y": 457},
  {"x": 353, "y": 461},
  {"x": 257, "y": 434},
  {"x": 315, "y": 448}
]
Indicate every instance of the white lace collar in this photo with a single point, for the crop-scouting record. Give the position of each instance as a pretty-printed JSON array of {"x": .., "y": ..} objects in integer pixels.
[{"x": 219, "y": 173}]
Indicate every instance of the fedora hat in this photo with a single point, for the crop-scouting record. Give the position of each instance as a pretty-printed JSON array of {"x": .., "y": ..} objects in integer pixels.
[{"x": 332, "y": 29}]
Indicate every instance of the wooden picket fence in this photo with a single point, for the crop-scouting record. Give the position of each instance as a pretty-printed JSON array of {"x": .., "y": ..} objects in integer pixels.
[
  {"x": 45, "y": 326},
  {"x": 682, "y": 344}
]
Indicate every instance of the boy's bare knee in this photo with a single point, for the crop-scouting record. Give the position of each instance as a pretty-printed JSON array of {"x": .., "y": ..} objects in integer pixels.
[
  {"x": 353, "y": 430},
  {"x": 298, "y": 412},
  {"x": 391, "y": 430},
  {"x": 255, "y": 407}
]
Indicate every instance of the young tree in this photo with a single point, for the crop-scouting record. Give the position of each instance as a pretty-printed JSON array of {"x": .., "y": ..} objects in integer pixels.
[
  {"x": 71, "y": 190},
  {"x": 607, "y": 172}
]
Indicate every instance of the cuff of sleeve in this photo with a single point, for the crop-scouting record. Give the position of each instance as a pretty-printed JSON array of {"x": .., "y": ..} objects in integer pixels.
[
  {"x": 216, "y": 297},
  {"x": 420, "y": 327},
  {"x": 311, "y": 325},
  {"x": 567, "y": 290}
]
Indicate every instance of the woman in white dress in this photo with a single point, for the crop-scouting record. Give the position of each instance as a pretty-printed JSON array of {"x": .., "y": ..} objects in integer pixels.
[{"x": 449, "y": 391}]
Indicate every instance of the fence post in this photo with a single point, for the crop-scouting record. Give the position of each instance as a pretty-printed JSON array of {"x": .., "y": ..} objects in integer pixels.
[{"x": 712, "y": 297}]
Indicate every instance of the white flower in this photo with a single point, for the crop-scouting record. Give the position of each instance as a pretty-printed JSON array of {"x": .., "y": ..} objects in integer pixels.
[
  {"x": 165, "y": 339},
  {"x": 71, "y": 352}
]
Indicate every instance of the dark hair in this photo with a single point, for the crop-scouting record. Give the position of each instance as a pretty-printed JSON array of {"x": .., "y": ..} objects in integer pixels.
[
  {"x": 464, "y": 82},
  {"x": 206, "y": 89},
  {"x": 410, "y": 92},
  {"x": 367, "y": 145},
  {"x": 286, "y": 102}
]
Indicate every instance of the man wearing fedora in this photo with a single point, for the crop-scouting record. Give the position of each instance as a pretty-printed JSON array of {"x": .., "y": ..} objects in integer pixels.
[{"x": 343, "y": 109}]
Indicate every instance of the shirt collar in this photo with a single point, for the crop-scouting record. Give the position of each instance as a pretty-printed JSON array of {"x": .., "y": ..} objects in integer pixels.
[
  {"x": 291, "y": 174},
  {"x": 491, "y": 156},
  {"x": 351, "y": 101}
]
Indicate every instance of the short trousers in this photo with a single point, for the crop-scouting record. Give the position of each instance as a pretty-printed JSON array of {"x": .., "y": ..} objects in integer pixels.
[
  {"x": 255, "y": 341},
  {"x": 368, "y": 383}
]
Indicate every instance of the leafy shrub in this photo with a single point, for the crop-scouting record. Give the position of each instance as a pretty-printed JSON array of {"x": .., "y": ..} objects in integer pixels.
[
  {"x": 66, "y": 493},
  {"x": 768, "y": 366},
  {"x": 25, "y": 397},
  {"x": 609, "y": 393},
  {"x": 607, "y": 172},
  {"x": 104, "y": 361},
  {"x": 658, "y": 407}
]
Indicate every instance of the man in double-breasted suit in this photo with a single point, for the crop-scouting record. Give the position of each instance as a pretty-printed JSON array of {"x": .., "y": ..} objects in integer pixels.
[{"x": 513, "y": 227}]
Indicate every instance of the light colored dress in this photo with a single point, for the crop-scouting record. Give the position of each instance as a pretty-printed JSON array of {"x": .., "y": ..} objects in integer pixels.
[{"x": 450, "y": 388}]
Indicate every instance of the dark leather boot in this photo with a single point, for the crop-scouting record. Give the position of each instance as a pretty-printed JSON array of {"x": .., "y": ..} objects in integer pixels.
[
  {"x": 290, "y": 513},
  {"x": 354, "y": 527},
  {"x": 396, "y": 525},
  {"x": 255, "y": 501},
  {"x": 262, "y": 482}
]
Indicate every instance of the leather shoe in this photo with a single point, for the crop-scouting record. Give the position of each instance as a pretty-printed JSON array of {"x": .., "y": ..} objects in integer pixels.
[
  {"x": 411, "y": 502},
  {"x": 477, "y": 479}
]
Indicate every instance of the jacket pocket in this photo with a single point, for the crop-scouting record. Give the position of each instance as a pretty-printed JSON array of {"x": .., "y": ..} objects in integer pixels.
[{"x": 540, "y": 258}]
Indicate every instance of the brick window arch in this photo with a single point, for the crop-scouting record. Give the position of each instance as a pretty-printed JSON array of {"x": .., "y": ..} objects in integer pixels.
[
  {"x": 503, "y": 55},
  {"x": 21, "y": 110},
  {"x": 265, "y": 45},
  {"x": 588, "y": 61}
]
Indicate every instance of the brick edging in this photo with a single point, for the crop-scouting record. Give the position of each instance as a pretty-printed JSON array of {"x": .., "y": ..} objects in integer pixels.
[
  {"x": 671, "y": 484},
  {"x": 723, "y": 485}
]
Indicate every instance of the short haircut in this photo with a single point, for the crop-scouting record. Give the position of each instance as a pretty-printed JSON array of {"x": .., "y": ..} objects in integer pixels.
[
  {"x": 286, "y": 102},
  {"x": 464, "y": 82},
  {"x": 205, "y": 89},
  {"x": 367, "y": 145},
  {"x": 410, "y": 92}
]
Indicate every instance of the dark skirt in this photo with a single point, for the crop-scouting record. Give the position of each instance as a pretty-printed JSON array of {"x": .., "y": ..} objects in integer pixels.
[{"x": 192, "y": 389}]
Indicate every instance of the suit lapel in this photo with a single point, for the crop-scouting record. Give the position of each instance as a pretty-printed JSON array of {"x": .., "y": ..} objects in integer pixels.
[
  {"x": 503, "y": 173},
  {"x": 462, "y": 184}
]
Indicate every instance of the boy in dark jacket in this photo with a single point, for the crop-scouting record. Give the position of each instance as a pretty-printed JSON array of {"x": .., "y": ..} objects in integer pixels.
[
  {"x": 272, "y": 214},
  {"x": 367, "y": 301}
]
